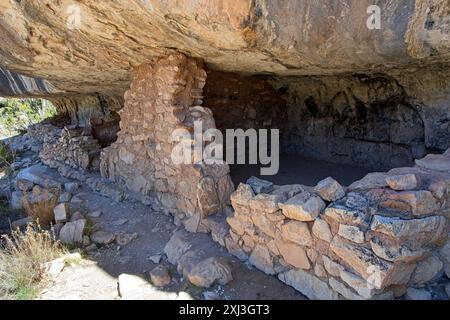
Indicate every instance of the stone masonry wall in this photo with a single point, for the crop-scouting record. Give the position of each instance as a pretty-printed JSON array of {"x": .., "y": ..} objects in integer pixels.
[
  {"x": 385, "y": 233},
  {"x": 164, "y": 96},
  {"x": 247, "y": 102},
  {"x": 72, "y": 146}
]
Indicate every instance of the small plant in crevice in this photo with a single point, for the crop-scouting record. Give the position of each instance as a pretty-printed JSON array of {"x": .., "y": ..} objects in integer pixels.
[{"x": 22, "y": 261}]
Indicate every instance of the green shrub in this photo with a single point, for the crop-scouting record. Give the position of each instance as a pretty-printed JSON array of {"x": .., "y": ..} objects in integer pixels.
[{"x": 16, "y": 115}]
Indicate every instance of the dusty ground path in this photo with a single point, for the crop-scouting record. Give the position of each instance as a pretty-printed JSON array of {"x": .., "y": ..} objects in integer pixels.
[{"x": 98, "y": 279}]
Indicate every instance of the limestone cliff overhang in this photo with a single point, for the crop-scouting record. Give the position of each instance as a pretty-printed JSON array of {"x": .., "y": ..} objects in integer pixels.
[
  {"x": 17, "y": 85},
  {"x": 91, "y": 46}
]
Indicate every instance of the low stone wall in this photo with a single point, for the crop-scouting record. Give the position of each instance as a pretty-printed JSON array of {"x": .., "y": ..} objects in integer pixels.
[
  {"x": 72, "y": 146},
  {"x": 385, "y": 233}
]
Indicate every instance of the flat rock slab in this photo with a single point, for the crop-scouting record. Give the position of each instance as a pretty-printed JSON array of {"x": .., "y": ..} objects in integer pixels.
[
  {"x": 42, "y": 176},
  {"x": 434, "y": 162}
]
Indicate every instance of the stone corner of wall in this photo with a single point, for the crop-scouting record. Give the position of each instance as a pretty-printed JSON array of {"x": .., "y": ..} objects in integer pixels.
[{"x": 373, "y": 240}]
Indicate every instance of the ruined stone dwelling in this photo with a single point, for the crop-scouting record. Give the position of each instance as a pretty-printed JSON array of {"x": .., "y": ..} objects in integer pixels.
[{"x": 128, "y": 73}]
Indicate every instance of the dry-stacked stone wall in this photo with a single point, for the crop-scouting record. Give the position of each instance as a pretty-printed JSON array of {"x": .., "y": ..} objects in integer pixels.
[
  {"x": 164, "y": 96},
  {"x": 245, "y": 102},
  {"x": 71, "y": 146},
  {"x": 372, "y": 240}
]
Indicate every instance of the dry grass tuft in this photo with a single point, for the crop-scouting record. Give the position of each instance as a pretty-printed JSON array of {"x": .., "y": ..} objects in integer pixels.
[
  {"x": 22, "y": 259},
  {"x": 40, "y": 204}
]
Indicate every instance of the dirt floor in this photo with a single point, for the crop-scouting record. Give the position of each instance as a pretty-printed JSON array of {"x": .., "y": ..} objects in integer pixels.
[
  {"x": 96, "y": 277},
  {"x": 297, "y": 169},
  {"x": 154, "y": 229}
]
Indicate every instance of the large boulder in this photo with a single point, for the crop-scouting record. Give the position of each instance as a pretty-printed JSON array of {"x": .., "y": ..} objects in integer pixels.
[
  {"x": 209, "y": 271},
  {"x": 303, "y": 207}
]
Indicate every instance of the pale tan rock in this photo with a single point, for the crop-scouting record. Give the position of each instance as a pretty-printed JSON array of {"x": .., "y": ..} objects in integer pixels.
[
  {"x": 424, "y": 230},
  {"x": 321, "y": 230},
  {"x": 313, "y": 254},
  {"x": 237, "y": 225},
  {"x": 72, "y": 232},
  {"x": 234, "y": 249},
  {"x": 320, "y": 271},
  {"x": 160, "y": 276},
  {"x": 377, "y": 272},
  {"x": 189, "y": 260},
  {"x": 303, "y": 207},
  {"x": 403, "y": 182},
  {"x": 242, "y": 195},
  {"x": 333, "y": 268},
  {"x": 262, "y": 259},
  {"x": 209, "y": 271},
  {"x": 309, "y": 285},
  {"x": 361, "y": 286},
  {"x": 395, "y": 252},
  {"x": 419, "y": 203},
  {"x": 329, "y": 189},
  {"x": 102, "y": 237},
  {"x": 294, "y": 255},
  {"x": 434, "y": 162},
  {"x": 343, "y": 290},
  {"x": 297, "y": 232},
  {"x": 264, "y": 224},
  {"x": 225, "y": 187},
  {"x": 61, "y": 212},
  {"x": 218, "y": 231},
  {"x": 346, "y": 215},
  {"x": 249, "y": 241},
  {"x": 351, "y": 233},
  {"x": 370, "y": 181},
  {"x": 176, "y": 247},
  {"x": 272, "y": 246},
  {"x": 265, "y": 203},
  {"x": 439, "y": 188}
]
